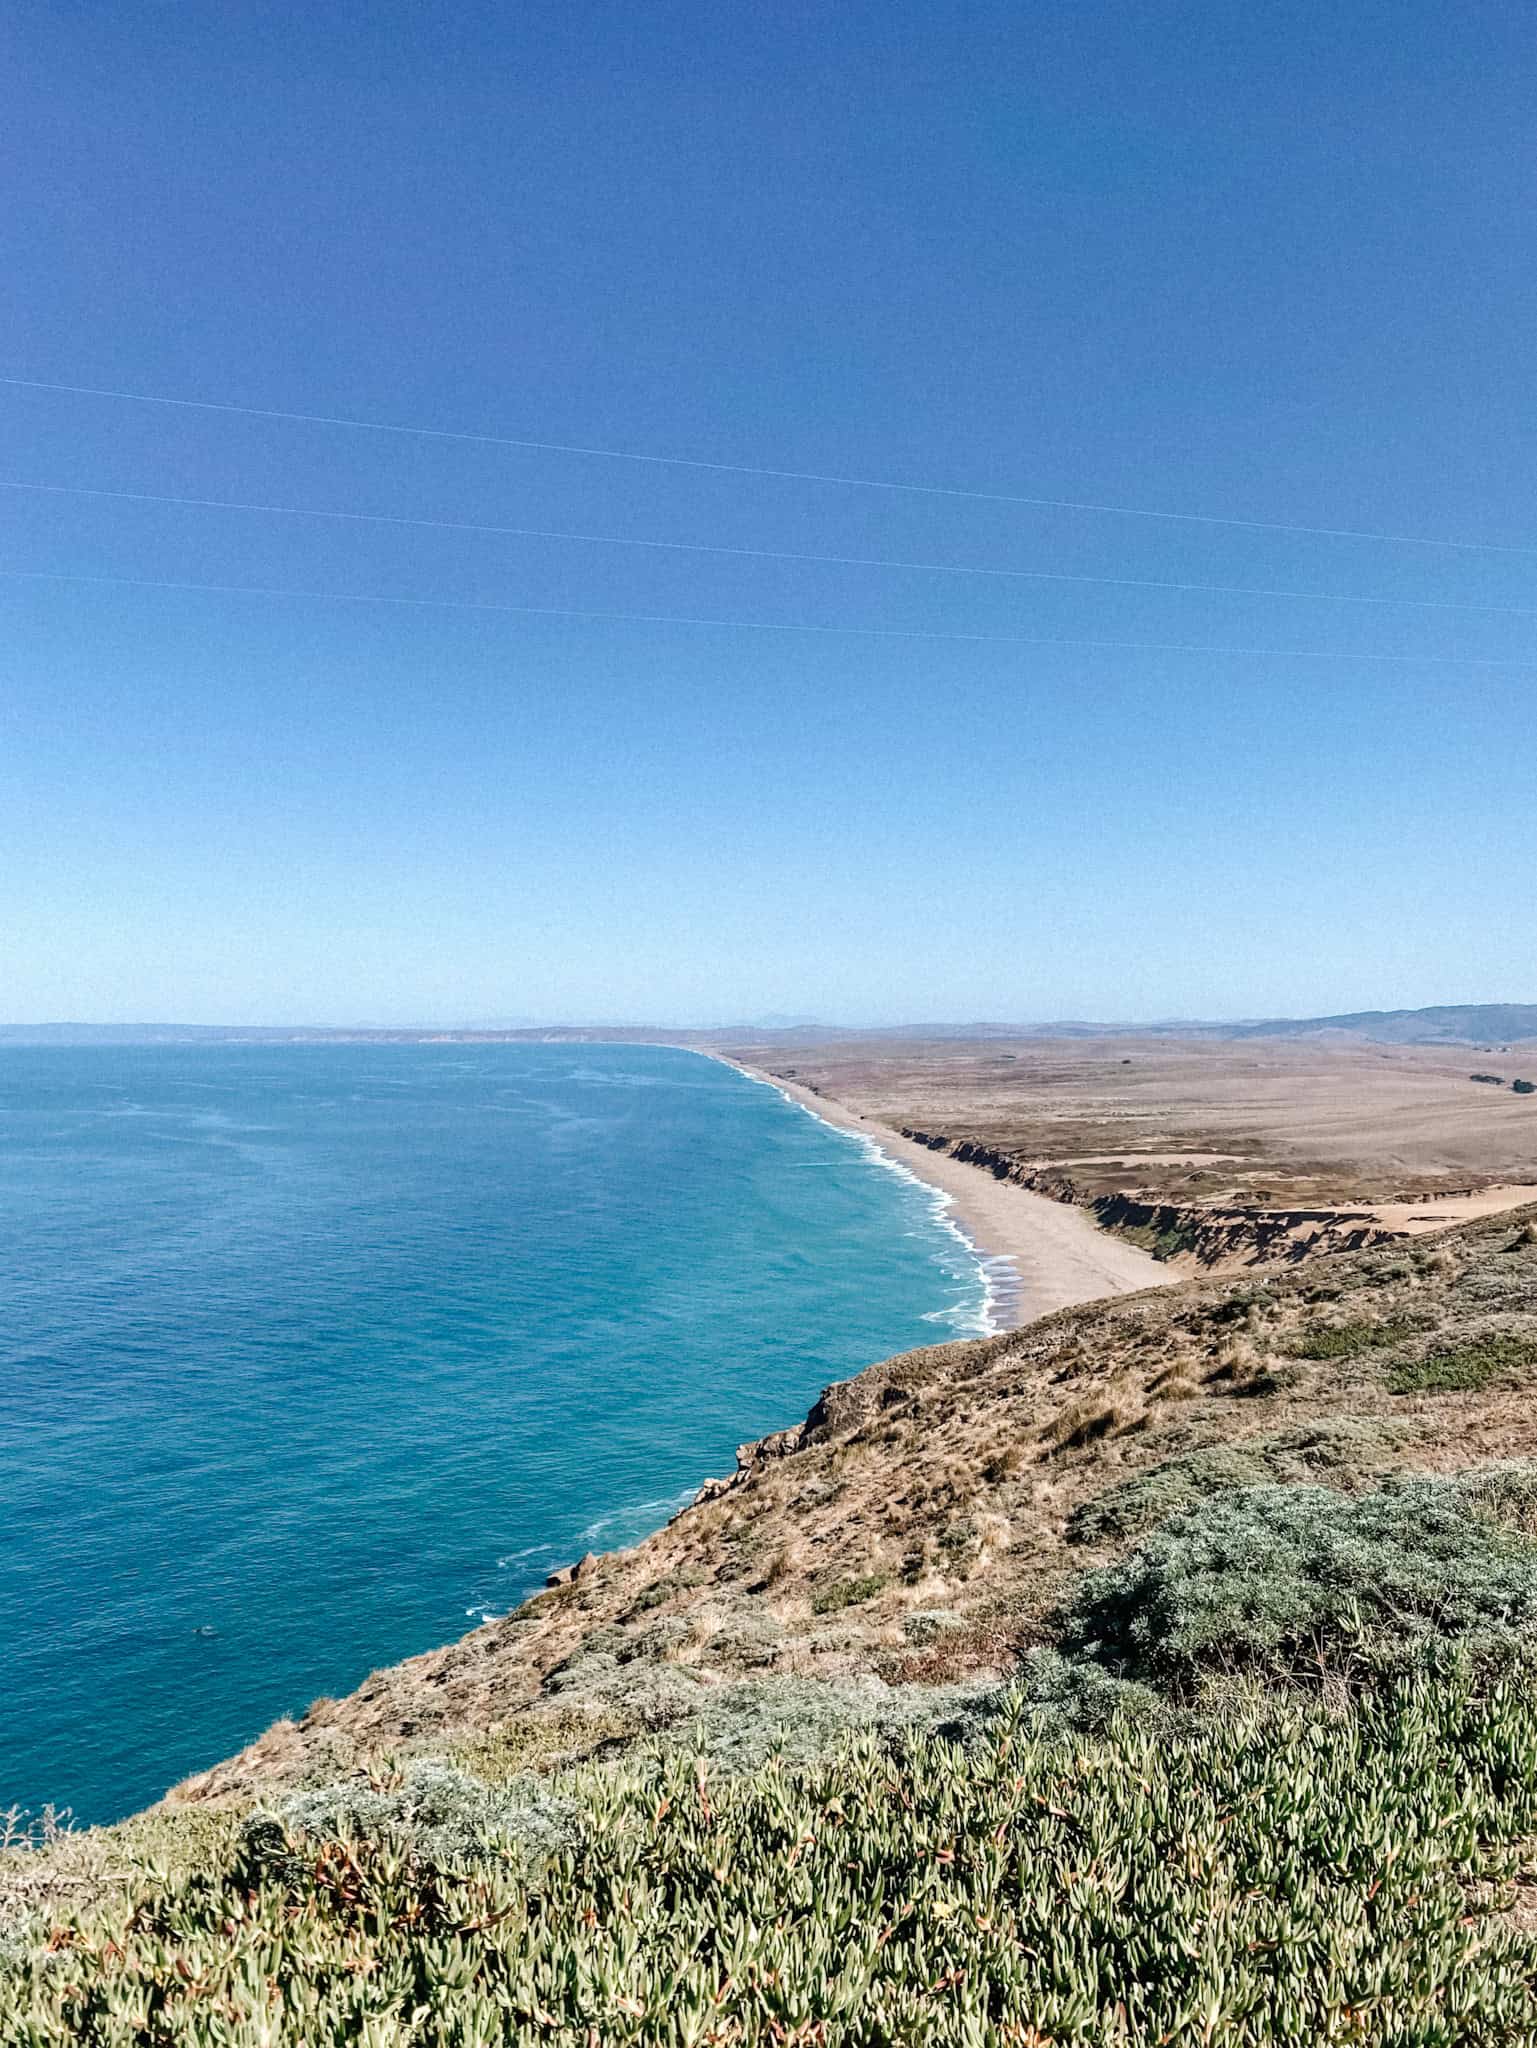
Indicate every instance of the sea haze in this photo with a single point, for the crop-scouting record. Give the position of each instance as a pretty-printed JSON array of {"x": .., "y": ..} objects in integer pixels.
[{"x": 314, "y": 1356}]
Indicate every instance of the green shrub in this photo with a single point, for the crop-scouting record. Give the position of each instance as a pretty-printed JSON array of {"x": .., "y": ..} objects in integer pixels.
[
  {"x": 751, "y": 1635},
  {"x": 1524, "y": 1087},
  {"x": 1292, "y": 1877},
  {"x": 1350, "y": 1447},
  {"x": 655, "y": 1595},
  {"x": 1299, "y": 1583},
  {"x": 437, "y": 1812},
  {"x": 1464, "y": 1368},
  {"x": 746, "y": 1725},
  {"x": 1346, "y": 1340},
  {"x": 1242, "y": 1305},
  {"x": 1074, "y": 1695},
  {"x": 840, "y": 1593},
  {"x": 928, "y": 1624},
  {"x": 646, "y": 1692},
  {"x": 1138, "y": 1504},
  {"x": 1165, "y": 1241}
]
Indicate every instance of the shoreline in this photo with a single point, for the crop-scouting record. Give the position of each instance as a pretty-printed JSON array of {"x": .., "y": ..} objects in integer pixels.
[{"x": 1036, "y": 1255}]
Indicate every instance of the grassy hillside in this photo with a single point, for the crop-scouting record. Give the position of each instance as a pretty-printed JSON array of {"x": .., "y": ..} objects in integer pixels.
[{"x": 1160, "y": 1672}]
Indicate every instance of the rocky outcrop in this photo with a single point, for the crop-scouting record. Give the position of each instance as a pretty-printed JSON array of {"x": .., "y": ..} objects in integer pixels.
[
  {"x": 849, "y": 1406},
  {"x": 568, "y": 1574},
  {"x": 781, "y": 1444}
]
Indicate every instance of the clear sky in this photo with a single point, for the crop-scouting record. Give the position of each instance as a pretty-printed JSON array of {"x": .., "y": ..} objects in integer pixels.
[{"x": 1269, "y": 264}]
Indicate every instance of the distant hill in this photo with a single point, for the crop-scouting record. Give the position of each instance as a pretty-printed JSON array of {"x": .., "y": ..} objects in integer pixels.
[
  {"x": 1442, "y": 1024},
  {"x": 1473, "y": 1024}
]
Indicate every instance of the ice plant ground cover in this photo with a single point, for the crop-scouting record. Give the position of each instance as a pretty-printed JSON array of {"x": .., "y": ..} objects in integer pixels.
[{"x": 1283, "y": 1874}]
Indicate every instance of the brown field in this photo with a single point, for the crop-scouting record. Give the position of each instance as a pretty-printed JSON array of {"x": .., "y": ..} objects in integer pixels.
[{"x": 1273, "y": 1122}]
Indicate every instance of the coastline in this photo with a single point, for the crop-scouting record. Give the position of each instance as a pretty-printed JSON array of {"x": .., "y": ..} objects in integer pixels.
[{"x": 1036, "y": 1255}]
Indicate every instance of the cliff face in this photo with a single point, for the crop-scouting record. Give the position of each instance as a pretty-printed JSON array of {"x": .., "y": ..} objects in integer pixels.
[
  {"x": 921, "y": 1523},
  {"x": 1210, "y": 1236},
  {"x": 1224, "y": 1238},
  {"x": 1055, "y": 1182}
]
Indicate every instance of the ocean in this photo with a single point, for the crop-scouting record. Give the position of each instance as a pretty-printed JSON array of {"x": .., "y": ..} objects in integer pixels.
[{"x": 314, "y": 1356}]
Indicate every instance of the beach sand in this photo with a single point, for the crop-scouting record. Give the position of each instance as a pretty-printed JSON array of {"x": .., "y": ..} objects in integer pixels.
[{"x": 1050, "y": 1255}]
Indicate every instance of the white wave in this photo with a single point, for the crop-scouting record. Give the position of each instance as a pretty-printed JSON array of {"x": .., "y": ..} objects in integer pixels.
[
  {"x": 639, "y": 1517},
  {"x": 522, "y": 1556},
  {"x": 979, "y": 1318}
]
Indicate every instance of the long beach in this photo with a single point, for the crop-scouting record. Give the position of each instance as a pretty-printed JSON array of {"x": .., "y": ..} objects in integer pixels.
[{"x": 1054, "y": 1255}]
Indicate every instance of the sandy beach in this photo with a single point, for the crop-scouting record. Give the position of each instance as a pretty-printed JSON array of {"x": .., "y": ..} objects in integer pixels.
[{"x": 1053, "y": 1255}]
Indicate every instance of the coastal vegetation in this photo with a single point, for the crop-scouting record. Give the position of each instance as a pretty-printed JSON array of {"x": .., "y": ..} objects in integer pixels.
[
  {"x": 1161, "y": 1672},
  {"x": 1281, "y": 1874}
]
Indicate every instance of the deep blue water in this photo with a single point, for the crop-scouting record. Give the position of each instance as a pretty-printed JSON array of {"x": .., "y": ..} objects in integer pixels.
[{"x": 311, "y": 1357}]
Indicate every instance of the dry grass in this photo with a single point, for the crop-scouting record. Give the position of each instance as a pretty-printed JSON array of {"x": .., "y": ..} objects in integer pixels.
[
  {"x": 1094, "y": 1417},
  {"x": 1174, "y": 1386}
]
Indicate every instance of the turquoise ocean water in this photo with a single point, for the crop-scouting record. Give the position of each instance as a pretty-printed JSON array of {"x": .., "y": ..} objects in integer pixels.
[{"x": 313, "y": 1356}]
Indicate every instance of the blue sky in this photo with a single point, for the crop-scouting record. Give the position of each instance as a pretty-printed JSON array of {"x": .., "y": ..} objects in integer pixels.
[{"x": 1261, "y": 264}]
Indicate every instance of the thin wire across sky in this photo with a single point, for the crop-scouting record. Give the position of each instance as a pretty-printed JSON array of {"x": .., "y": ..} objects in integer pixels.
[
  {"x": 807, "y": 476},
  {"x": 695, "y": 547},
  {"x": 552, "y": 611},
  {"x": 716, "y": 549}
]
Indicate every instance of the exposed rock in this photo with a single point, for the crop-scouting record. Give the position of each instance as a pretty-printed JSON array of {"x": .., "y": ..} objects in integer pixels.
[{"x": 568, "y": 1574}]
